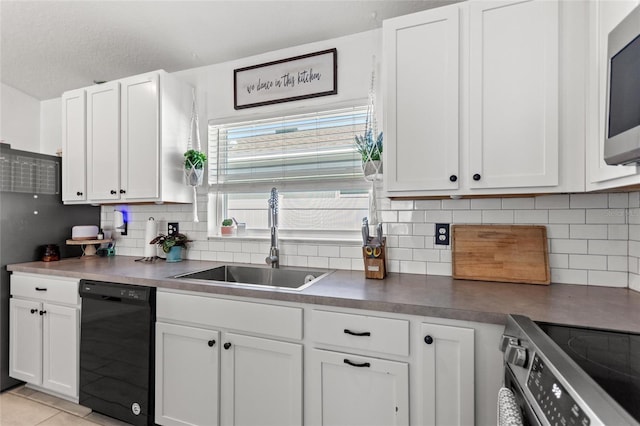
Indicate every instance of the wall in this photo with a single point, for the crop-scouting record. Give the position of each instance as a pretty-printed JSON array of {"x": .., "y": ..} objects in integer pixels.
[
  {"x": 590, "y": 239},
  {"x": 19, "y": 119},
  {"x": 50, "y": 126}
]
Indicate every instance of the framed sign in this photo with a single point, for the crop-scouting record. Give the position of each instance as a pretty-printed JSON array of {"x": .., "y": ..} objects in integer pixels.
[{"x": 291, "y": 79}]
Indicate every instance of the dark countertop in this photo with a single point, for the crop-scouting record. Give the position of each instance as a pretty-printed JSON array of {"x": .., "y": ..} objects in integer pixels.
[{"x": 424, "y": 295}]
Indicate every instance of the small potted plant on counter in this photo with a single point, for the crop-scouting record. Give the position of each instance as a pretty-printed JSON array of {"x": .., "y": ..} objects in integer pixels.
[
  {"x": 227, "y": 228},
  {"x": 172, "y": 245}
]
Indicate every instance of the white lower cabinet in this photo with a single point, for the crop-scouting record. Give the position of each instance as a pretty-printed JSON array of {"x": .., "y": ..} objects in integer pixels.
[
  {"x": 358, "y": 390},
  {"x": 446, "y": 379},
  {"x": 187, "y": 375},
  {"x": 44, "y": 336},
  {"x": 207, "y": 374}
]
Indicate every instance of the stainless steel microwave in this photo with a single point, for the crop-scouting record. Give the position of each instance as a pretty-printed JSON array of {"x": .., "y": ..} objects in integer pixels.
[{"x": 622, "y": 126}]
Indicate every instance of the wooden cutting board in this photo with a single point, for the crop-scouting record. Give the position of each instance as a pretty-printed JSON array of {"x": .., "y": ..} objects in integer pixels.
[{"x": 509, "y": 253}]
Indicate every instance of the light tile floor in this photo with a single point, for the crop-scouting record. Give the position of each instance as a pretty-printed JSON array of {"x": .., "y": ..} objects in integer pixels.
[{"x": 22, "y": 406}]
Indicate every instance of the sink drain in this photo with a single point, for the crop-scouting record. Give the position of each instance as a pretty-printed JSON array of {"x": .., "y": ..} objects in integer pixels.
[{"x": 309, "y": 278}]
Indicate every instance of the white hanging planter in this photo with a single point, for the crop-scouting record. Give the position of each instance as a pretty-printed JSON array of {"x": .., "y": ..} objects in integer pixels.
[
  {"x": 193, "y": 176},
  {"x": 371, "y": 168}
]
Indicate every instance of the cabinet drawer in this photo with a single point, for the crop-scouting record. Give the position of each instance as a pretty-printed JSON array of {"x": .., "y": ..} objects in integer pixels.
[
  {"x": 260, "y": 318},
  {"x": 375, "y": 334},
  {"x": 45, "y": 288}
]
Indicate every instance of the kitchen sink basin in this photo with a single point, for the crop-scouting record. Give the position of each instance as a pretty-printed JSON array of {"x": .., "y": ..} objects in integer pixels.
[{"x": 277, "y": 278}]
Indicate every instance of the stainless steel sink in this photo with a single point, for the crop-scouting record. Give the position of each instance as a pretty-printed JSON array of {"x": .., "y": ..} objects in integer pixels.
[{"x": 277, "y": 278}]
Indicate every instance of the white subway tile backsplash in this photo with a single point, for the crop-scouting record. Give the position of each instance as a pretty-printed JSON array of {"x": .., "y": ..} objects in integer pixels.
[
  {"x": 608, "y": 278},
  {"x": 467, "y": 216},
  {"x": 486, "y": 203},
  {"x": 552, "y": 201},
  {"x": 531, "y": 216},
  {"x": 618, "y": 263},
  {"x": 567, "y": 216},
  {"x": 497, "y": 216},
  {"x": 588, "y": 201},
  {"x": 594, "y": 232},
  {"x": 608, "y": 247},
  {"x": 460, "y": 204},
  {"x": 606, "y": 216},
  {"x": 582, "y": 261},
  {"x": 594, "y": 238},
  {"x": 569, "y": 246},
  {"x": 519, "y": 203}
]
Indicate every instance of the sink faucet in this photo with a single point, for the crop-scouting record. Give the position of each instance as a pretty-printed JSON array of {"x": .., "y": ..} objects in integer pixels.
[{"x": 274, "y": 254}]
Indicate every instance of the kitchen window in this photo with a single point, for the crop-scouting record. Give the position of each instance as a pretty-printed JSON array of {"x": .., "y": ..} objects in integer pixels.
[{"x": 312, "y": 161}]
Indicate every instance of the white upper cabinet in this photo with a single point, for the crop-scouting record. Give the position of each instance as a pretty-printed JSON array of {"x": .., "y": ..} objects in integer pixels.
[
  {"x": 103, "y": 141},
  {"x": 74, "y": 143},
  {"x": 513, "y": 94},
  {"x": 603, "y": 17},
  {"x": 137, "y": 129},
  {"x": 422, "y": 108},
  {"x": 475, "y": 100}
]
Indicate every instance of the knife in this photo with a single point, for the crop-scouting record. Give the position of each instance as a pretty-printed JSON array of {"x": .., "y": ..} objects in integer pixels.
[
  {"x": 379, "y": 233},
  {"x": 365, "y": 231}
]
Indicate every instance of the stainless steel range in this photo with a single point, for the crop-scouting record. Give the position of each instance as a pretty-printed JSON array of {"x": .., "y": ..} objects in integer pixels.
[{"x": 565, "y": 375}]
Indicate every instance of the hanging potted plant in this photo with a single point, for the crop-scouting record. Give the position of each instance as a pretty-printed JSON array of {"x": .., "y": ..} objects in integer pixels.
[
  {"x": 370, "y": 148},
  {"x": 172, "y": 245},
  {"x": 194, "y": 167}
]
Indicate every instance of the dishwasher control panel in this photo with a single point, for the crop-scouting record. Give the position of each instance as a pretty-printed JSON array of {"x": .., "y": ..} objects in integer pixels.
[{"x": 99, "y": 289}]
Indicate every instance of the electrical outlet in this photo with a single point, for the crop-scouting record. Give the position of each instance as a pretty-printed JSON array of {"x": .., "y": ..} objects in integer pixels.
[
  {"x": 172, "y": 228},
  {"x": 442, "y": 234}
]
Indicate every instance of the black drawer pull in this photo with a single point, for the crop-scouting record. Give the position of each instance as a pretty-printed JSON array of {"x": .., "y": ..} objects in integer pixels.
[
  {"x": 33, "y": 311},
  {"x": 122, "y": 191},
  {"x": 78, "y": 193},
  {"x": 227, "y": 345},
  {"x": 40, "y": 289},
  {"x": 113, "y": 192},
  {"x": 352, "y": 333},
  {"x": 211, "y": 343},
  {"x": 43, "y": 312},
  {"x": 428, "y": 339},
  {"x": 355, "y": 364}
]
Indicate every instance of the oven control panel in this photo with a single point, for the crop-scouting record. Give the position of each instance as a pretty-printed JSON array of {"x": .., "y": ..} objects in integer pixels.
[{"x": 557, "y": 405}]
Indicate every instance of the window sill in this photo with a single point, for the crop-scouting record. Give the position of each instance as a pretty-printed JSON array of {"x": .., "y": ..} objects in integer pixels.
[{"x": 296, "y": 240}]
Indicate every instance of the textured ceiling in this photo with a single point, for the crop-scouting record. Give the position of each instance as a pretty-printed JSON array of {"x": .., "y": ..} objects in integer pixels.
[{"x": 48, "y": 47}]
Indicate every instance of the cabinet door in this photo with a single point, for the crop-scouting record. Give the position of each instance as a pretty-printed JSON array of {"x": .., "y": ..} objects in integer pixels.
[
  {"x": 25, "y": 341},
  {"x": 74, "y": 142},
  {"x": 187, "y": 365},
  {"x": 447, "y": 375},
  {"x": 261, "y": 382},
  {"x": 421, "y": 100},
  {"x": 103, "y": 141},
  {"x": 60, "y": 349},
  {"x": 358, "y": 391},
  {"x": 140, "y": 139},
  {"x": 603, "y": 17},
  {"x": 513, "y": 94}
]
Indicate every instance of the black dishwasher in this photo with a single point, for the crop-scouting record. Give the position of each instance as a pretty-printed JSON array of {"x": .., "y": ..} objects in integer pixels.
[{"x": 117, "y": 350}]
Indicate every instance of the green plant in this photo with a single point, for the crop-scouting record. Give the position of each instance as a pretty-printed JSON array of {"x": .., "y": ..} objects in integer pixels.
[
  {"x": 194, "y": 159},
  {"x": 368, "y": 147},
  {"x": 227, "y": 222},
  {"x": 167, "y": 241}
]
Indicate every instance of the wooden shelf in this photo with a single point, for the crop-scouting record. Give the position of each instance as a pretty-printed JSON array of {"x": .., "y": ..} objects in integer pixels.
[{"x": 88, "y": 246}]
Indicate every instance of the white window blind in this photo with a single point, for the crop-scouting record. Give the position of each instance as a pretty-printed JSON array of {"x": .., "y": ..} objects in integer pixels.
[{"x": 314, "y": 151}]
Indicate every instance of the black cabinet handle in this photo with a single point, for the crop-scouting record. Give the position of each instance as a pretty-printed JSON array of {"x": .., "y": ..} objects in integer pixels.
[
  {"x": 122, "y": 191},
  {"x": 353, "y": 333},
  {"x": 227, "y": 345},
  {"x": 43, "y": 312},
  {"x": 40, "y": 289},
  {"x": 78, "y": 193},
  {"x": 211, "y": 343},
  {"x": 453, "y": 178},
  {"x": 113, "y": 192},
  {"x": 428, "y": 339},
  {"x": 476, "y": 177},
  {"x": 355, "y": 364},
  {"x": 33, "y": 311}
]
